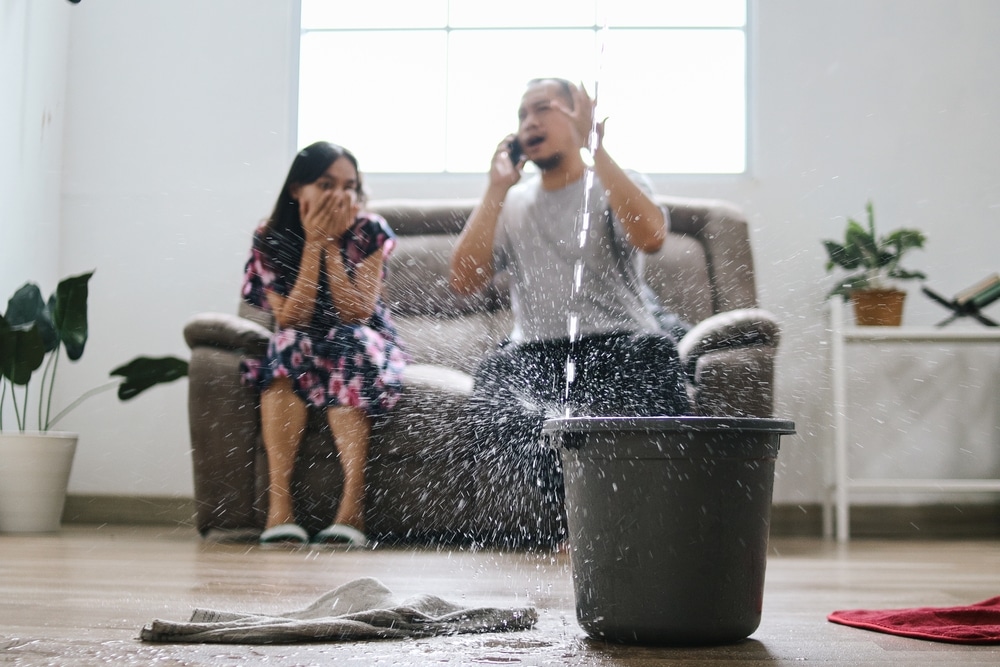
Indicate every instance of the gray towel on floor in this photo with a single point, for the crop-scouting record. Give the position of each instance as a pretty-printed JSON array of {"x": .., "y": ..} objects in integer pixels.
[{"x": 361, "y": 609}]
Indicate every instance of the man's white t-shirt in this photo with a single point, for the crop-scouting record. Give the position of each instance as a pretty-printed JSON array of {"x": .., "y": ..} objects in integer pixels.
[{"x": 571, "y": 274}]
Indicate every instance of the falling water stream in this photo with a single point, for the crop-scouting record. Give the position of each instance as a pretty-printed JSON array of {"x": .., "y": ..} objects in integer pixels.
[{"x": 582, "y": 233}]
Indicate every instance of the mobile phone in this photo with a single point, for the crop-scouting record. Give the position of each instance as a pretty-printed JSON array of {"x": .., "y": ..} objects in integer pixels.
[{"x": 515, "y": 151}]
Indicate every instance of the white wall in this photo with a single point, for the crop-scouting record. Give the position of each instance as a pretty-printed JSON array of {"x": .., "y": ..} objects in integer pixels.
[
  {"x": 33, "y": 46},
  {"x": 176, "y": 143},
  {"x": 888, "y": 100},
  {"x": 33, "y": 55},
  {"x": 179, "y": 132}
]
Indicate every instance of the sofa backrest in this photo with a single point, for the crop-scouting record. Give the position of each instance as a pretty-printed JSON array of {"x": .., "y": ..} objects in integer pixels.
[
  {"x": 705, "y": 267},
  {"x": 438, "y": 325}
]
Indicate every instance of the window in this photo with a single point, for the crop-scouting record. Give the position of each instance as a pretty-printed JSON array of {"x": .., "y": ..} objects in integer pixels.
[{"x": 434, "y": 85}]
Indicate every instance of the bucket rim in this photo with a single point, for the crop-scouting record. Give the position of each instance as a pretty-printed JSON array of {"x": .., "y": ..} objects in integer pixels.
[{"x": 668, "y": 423}]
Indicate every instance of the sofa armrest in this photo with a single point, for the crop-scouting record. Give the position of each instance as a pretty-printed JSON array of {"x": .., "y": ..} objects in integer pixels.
[
  {"x": 735, "y": 382},
  {"x": 744, "y": 327},
  {"x": 228, "y": 332}
]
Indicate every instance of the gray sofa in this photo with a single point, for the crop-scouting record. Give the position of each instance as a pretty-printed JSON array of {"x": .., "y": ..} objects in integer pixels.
[{"x": 428, "y": 479}]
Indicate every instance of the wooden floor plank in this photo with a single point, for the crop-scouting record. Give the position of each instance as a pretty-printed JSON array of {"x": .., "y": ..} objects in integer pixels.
[{"x": 81, "y": 596}]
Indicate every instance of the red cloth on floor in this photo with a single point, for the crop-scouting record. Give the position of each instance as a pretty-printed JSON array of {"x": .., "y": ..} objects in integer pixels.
[{"x": 975, "y": 624}]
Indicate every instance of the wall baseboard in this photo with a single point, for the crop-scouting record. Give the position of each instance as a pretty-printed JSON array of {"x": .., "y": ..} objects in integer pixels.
[
  {"x": 930, "y": 521},
  {"x": 936, "y": 521},
  {"x": 129, "y": 510}
]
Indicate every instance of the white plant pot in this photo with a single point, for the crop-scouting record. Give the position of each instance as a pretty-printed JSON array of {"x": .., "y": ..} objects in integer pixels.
[{"x": 34, "y": 474}]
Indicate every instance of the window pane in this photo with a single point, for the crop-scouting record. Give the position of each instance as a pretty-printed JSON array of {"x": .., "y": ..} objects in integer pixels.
[
  {"x": 675, "y": 100},
  {"x": 485, "y": 90},
  {"x": 522, "y": 13},
  {"x": 348, "y": 14},
  {"x": 427, "y": 100},
  {"x": 678, "y": 13},
  {"x": 380, "y": 94}
]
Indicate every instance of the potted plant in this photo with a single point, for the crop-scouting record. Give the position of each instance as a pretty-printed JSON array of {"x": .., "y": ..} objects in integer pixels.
[
  {"x": 873, "y": 261},
  {"x": 35, "y": 461}
]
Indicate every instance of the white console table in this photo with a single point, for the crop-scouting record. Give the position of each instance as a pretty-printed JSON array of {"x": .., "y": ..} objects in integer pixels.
[{"x": 839, "y": 488}]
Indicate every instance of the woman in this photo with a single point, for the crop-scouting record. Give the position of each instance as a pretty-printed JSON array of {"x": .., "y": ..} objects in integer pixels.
[{"x": 317, "y": 265}]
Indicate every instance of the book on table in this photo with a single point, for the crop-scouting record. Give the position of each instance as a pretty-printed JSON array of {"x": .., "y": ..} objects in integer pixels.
[
  {"x": 986, "y": 296},
  {"x": 978, "y": 290},
  {"x": 969, "y": 301}
]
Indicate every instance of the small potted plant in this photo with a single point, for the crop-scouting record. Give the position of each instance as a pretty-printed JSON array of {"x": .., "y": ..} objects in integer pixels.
[
  {"x": 873, "y": 263},
  {"x": 35, "y": 461}
]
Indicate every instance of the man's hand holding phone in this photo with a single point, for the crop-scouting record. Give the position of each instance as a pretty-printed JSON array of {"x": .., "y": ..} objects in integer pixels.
[
  {"x": 516, "y": 152},
  {"x": 508, "y": 159}
]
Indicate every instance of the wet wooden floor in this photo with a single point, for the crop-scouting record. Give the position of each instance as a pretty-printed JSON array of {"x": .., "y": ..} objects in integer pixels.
[{"x": 80, "y": 598}]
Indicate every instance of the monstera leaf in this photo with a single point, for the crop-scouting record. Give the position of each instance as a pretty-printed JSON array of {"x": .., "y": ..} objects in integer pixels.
[
  {"x": 32, "y": 322},
  {"x": 32, "y": 330},
  {"x": 22, "y": 351},
  {"x": 27, "y": 307},
  {"x": 144, "y": 372},
  {"x": 68, "y": 307}
]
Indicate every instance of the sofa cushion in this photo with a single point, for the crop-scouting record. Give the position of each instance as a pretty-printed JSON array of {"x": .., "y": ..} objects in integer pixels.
[
  {"x": 433, "y": 396},
  {"x": 457, "y": 342}
]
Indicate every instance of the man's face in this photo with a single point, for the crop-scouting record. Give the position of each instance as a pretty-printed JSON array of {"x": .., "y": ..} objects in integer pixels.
[{"x": 544, "y": 130}]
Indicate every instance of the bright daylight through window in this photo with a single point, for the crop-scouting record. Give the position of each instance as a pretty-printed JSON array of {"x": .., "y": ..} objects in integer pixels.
[{"x": 433, "y": 85}]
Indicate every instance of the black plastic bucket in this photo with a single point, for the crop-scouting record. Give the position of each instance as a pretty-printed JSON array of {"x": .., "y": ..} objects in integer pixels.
[{"x": 668, "y": 523}]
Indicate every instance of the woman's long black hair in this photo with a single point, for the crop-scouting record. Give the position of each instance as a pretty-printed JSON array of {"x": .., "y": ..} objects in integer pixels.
[
  {"x": 310, "y": 163},
  {"x": 284, "y": 237}
]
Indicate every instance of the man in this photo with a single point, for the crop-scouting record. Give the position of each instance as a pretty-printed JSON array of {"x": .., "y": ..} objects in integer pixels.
[{"x": 588, "y": 336}]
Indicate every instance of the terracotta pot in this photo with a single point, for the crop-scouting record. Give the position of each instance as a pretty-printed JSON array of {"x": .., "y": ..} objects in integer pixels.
[{"x": 878, "y": 307}]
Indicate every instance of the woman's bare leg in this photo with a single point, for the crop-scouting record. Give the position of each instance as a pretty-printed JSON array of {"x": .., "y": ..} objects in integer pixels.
[
  {"x": 283, "y": 420},
  {"x": 351, "y": 429}
]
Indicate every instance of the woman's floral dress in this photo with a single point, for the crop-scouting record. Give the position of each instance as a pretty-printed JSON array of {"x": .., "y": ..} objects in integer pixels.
[{"x": 329, "y": 363}]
